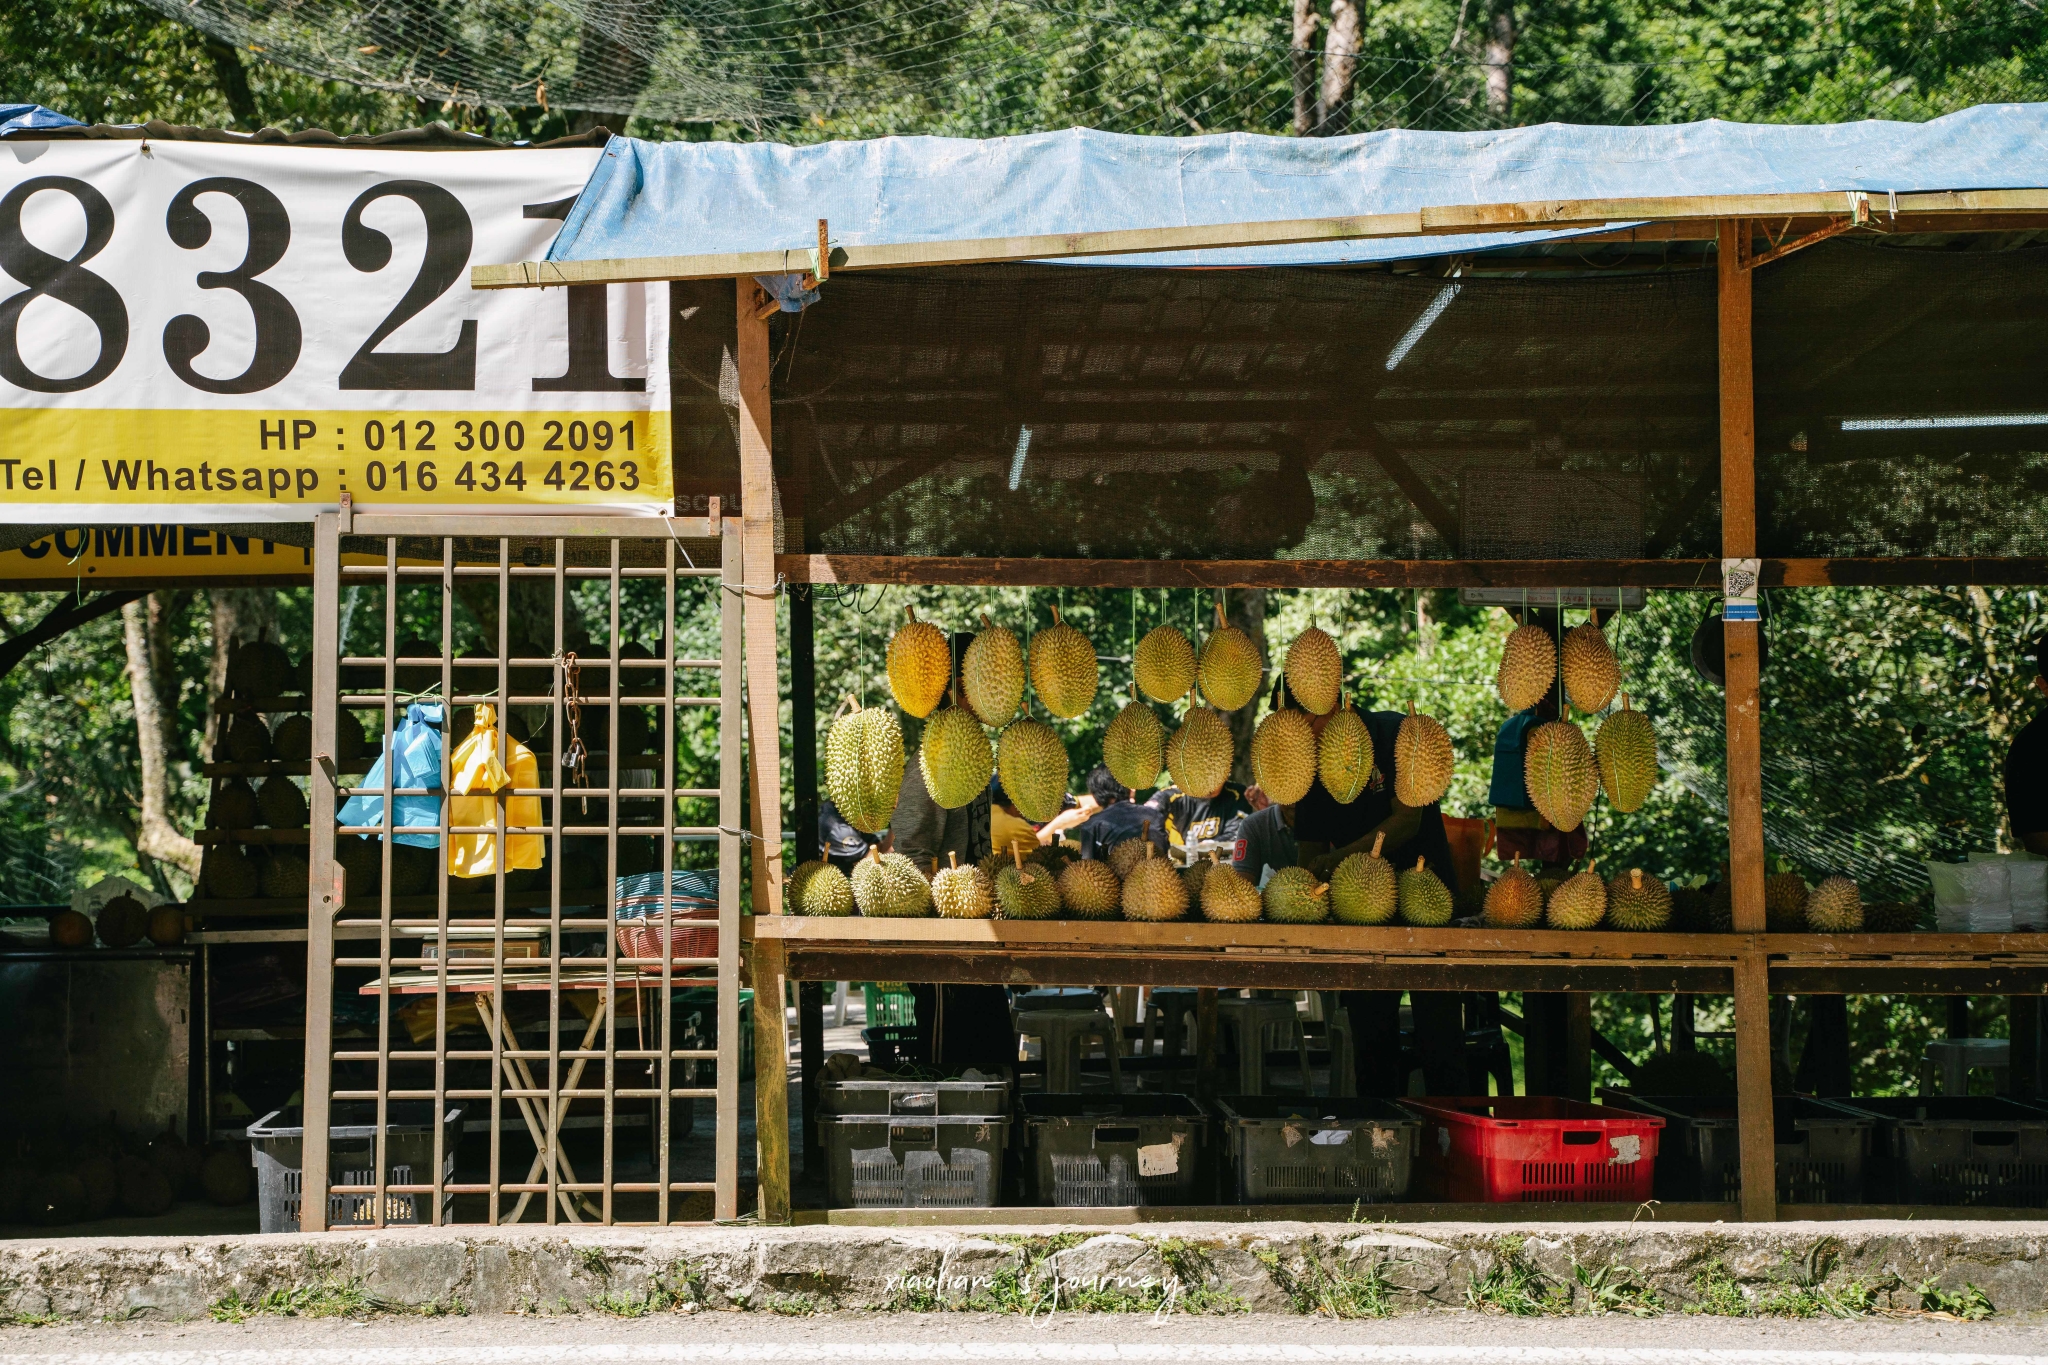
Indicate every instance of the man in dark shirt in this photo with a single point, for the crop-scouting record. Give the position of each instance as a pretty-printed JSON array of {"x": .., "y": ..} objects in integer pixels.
[
  {"x": 1116, "y": 818},
  {"x": 1189, "y": 820},
  {"x": 2026, "y": 770}
]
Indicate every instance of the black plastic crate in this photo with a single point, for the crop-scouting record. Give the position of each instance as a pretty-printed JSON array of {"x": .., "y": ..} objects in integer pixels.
[
  {"x": 1958, "y": 1149},
  {"x": 1113, "y": 1151},
  {"x": 1317, "y": 1151},
  {"x": 894, "y": 1045},
  {"x": 1820, "y": 1148}
]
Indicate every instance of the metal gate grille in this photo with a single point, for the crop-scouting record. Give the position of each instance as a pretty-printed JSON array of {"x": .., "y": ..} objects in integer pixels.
[{"x": 532, "y": 946}]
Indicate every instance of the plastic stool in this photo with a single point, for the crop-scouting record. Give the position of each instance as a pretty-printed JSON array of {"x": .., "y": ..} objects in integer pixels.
[
  {"x": 1061, "y": 1034},
  {"x": 1170, "y": 1009},
  {"x": 1255, "y": 1023},
  {"x": 1946, "y": 1065}
]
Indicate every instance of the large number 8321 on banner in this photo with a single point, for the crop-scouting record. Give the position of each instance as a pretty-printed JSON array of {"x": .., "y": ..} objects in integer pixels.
[{"x": 197, "y": 331}]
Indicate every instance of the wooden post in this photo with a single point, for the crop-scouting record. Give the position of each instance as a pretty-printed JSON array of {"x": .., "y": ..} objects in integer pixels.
[
  {"x": 1205, "y": 1043},
  {"x": 803, "y": 763},
  {"x": 1745, "y": 737},
  {"x": 764, "y": 747},
  {"x": 327, "y": 886}
]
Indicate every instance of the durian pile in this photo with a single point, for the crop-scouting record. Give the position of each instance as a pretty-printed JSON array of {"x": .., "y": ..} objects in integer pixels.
[
  {"x": 70, "y": 1178},
  {"x": 1833, "y": 905},
  {"x": 1640, "y": 901}
]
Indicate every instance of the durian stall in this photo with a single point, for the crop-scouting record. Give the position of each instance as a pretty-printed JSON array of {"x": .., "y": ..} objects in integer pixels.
[{"x": 1613, "y": 360}]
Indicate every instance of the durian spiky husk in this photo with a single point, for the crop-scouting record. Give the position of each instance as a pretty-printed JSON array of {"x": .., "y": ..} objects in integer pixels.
[
  {"x": 1423, "y": 898},
  {"x": 1228, "y": 897},
  {"x": 1315, "y": 671},
  {"x": 1363, "y": 888},
  {"x": 285, "y": 873},
  {"x": 1284, "y": 755},
  {"x": 963, "y": 892},
  {"x": 1230, "y": 669},
  {"x": 1154, "y": 891},
  {"x": 1785, "y": 897},
  {"x": 1591, "y": 674},
  {"x": 1626, "y": 751},
  {"x": 1891, "y": 917},
  {"x": 818, "y": 888},
  {"x": 1128, "y": 854},
  {"x": 1514, "y": 901},
  {"x": 1164, "y": 664},
  {"x": 1294, "y": 896},
  {"x": 992, "y": 675},
  {"x": 1835, "y": 907},
  {"x": 1423, "y": 760},
  {"x": 1062, "y": 663},
  {"x": 1033, "y": 762},
  {"x": 1090, "y": 890},
  {"x": 247, "y": 739},
  {"x": 1200, "y": 753},
  {"x": 233, "y": 806},
  {"x": 955, "y": 758},
  {"x": 1579, "y": 902},
  {"x": 864, "y": 767},
  {"x": 920, "y": 666},
  {"x": 1528, "y": 666},
  {"x": 1196, "y": 873},
  {"x": 1344, "y": 756},
  {"x": 1638, "y": 902},
  {"x": 1027, "y": 890},
  {"x": 890, "y": 886},
  {"x": 280, "y": 803},
  {"x": 1134, "y": 746},
  {"x": 1560, "y": 773}
]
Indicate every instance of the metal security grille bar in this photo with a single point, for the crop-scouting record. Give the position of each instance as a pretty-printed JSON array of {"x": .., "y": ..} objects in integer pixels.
[{"x": 425, "y": 927}]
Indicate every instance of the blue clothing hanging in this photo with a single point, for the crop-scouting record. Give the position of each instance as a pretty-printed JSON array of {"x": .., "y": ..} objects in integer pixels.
[{"x": 417, "y": 745}]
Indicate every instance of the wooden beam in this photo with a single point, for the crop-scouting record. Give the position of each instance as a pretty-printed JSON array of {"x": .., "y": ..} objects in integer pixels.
[
  {"x": 764, "y": 741},
  {"x": 1539, "y": 215},
  {"x": 326, "y": 888},
  {"x": 1755, "y": 1121}
]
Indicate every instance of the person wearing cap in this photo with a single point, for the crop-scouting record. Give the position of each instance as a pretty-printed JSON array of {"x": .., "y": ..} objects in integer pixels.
[{"x": 1116, "y": 818}]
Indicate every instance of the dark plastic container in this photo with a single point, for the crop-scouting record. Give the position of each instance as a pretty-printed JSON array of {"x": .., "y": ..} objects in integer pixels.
[
  {"x": 1113, "y": 1151},
  {"x": 1318, "y": 1151},
  {"x": 1957, "y": 1149},
  {"x": 1820, "y": 1148}
]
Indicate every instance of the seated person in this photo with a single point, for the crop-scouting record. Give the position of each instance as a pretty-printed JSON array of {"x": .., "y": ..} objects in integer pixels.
[{"x": 1115, "y": 818}]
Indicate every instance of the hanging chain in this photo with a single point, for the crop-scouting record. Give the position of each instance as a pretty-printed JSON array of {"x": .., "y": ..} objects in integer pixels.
[{"x": 575, "y": 757}]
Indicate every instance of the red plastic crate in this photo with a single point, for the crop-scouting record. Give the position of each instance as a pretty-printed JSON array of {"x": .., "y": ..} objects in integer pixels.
[{"x": 1503, "y": 1149}]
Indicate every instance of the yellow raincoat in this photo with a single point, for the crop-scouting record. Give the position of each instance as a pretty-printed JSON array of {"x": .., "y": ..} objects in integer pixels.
[{"x": 478, "y": 778}]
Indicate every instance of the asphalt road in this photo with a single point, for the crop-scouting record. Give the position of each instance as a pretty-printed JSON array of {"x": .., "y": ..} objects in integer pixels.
[{"x": 1436, "y": 1338}]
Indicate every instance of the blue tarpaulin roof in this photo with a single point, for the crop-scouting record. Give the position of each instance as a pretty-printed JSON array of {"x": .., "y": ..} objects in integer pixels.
[
  {"x": 699, "y": 198},
  {"x": 18, "y": 117}
]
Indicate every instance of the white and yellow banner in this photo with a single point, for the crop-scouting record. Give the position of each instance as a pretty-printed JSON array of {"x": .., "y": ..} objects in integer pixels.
[{"x": 194, "y": 332}]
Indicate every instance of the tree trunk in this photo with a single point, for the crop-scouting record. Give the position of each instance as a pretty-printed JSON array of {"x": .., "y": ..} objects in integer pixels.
[
  {"x": 232, "y": 79},
  {"x": 1340, "y": 62},
  {"x": 1303, "y": 61},
  {"x": 1498, "y": 56},
  {"x": 155, "y": 836},
  {"x": 1247, "y": 611}
]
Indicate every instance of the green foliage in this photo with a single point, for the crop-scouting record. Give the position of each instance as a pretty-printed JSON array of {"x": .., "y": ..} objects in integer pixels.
[
  {"x": 1322, "y": 1282},
  {"x": 1615, "y": 1288},
  {"x": 1514, "y": 1285},
  {"x": 328, "y": 1299},
  {"x": 1717, "y": 1293},
  {"x": 1969, "y": 1303}
]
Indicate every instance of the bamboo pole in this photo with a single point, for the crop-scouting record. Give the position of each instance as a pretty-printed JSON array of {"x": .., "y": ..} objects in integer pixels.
[{"x": 1745, "y": 739}]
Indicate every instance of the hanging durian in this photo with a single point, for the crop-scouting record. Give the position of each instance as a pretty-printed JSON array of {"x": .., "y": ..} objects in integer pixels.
[
  {"x": 992, "y": 675},
  {"x": 1201, "y": 752},
  {"x": 1284, "y": 753},
  {"x": 1315, "y": 671},
  {"x": 1423, "y": 760},
  {"x": 920, "y": 665},
  {"x": 1344, "y": 759},
  {"x": 864, "y": 765},
  {"x": 1626, "y": 750},
  {"x": 1134, "y": 745},
  {"x": 1230, "y": 669},
  {"x": 1063, "y": 669},
  {"x": 1032, "y": 761},
  {"x": 1560, "y": 773},
  {"x": 1164, "y": 664},
  {"x": 1528, "y": 666},
  {"x": 1591, "y": 674},
  {"x": 955, "y": 757}
]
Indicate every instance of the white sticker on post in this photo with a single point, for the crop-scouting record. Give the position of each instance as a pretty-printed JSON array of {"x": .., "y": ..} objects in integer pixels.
[
  {"x": 1739, "y": 578},
  {"x": 1161, "y": 1158}
]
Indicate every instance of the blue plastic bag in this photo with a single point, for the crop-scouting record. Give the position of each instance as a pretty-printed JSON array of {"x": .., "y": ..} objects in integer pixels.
[{"x": 417, "y": 745}]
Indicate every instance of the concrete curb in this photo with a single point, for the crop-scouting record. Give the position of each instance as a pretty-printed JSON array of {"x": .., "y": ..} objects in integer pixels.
[{"x": 1260, "y": 1267}]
